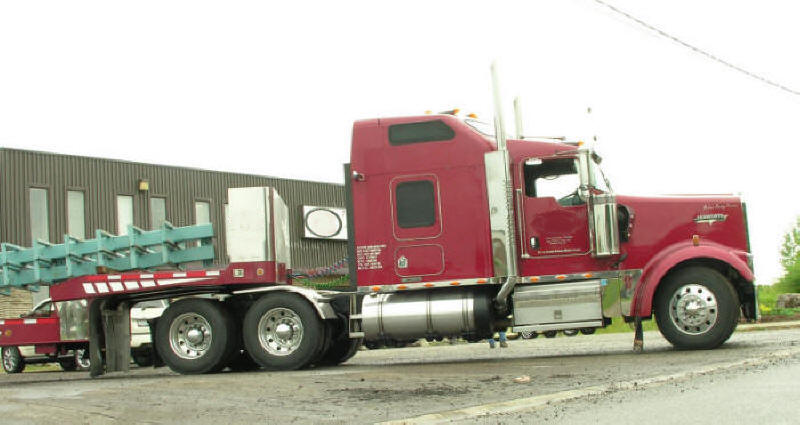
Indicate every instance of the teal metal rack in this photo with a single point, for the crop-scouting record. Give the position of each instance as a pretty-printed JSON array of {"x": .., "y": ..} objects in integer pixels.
[{"x": 46, "y": 263}]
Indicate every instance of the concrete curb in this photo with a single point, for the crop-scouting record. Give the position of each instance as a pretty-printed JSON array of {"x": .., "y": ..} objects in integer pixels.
[
  {"x": 769, "y": 326},
  {"x": 542, "y": 401}
]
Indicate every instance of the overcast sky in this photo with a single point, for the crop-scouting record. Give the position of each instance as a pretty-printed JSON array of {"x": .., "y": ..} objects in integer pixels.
[{"x": 272, "y": 88}]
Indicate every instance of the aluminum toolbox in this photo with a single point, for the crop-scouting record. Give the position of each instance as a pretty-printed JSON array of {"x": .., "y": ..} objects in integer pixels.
[{"x": 574, "y": 303}]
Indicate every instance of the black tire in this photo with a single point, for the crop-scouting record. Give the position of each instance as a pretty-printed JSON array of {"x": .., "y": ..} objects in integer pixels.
[
  {"x": 715, "y": 310},
  {"x": 528, "y": 334},
  {"x": 12, "y": 360},
  {"x": 588, "y": 331},
  {"x": 292, "y": 314},
  {"x": 242, "y": 362},
  {"x": 570, "y": 332},
  {"x": 341, "y": 351},
  {"x": 550, "y": 334},
  {"x": 143, "y": 359},
  {"x": 68, "y": 364},
  {"x": 208, "y": 349}
]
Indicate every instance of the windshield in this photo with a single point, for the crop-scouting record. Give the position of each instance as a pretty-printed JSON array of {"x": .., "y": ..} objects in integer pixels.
[{"x": 481, "y": 127}]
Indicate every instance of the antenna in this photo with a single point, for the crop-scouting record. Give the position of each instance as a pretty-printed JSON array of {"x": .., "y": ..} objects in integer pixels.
[
  {"x": 518, "y": 118},
  {"x": 499, "y": 129}
]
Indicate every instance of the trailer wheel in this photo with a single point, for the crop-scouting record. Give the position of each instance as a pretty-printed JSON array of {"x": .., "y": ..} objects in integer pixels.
[
  {"x": 529, "y": 334},
  {"x": 282, "y": 332},
  {"x": 242, "y": 362},
  {"x": 194, "y": 336},
  {"x": 12, "y": 360},
  {"x": 696, "y": 308},
  {"x": 570, "y": 332}
]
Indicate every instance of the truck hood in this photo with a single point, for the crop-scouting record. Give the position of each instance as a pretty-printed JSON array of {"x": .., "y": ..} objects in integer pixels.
[{"x": 657, "y": 222}]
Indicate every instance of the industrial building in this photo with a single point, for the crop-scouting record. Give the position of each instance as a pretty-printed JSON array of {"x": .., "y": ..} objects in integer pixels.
[{"x": 44, "y": 196}]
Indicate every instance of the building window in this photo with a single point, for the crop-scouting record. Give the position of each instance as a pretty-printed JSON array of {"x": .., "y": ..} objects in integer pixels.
[
  {"x": 415, "y": 204},
  {"x": 202, "y": 212},
  {"x": 420, "y": 132},
  {"x": 158, "y": 212},
  {"x": 40, "y": 225},
  {"x": 76, "y": 222},
  {"x": 124, "y": 213}
]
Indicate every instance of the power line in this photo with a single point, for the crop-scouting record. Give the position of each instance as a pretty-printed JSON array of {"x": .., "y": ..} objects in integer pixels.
[{"x": 699, "y": 50}]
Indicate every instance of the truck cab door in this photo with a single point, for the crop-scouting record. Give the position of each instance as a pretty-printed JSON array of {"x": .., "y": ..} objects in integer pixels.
[{"x": 552, "y": 208}]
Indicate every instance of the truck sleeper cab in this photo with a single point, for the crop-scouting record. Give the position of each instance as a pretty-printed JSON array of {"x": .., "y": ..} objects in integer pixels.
[{"x": 430, "y": 263}]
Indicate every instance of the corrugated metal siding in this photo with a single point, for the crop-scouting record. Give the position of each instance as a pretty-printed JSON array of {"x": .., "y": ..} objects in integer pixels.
[{"x": 103, "y": 179}]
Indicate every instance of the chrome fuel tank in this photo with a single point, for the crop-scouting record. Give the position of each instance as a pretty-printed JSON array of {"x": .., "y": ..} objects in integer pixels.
[{"x": 435, "y": 313}]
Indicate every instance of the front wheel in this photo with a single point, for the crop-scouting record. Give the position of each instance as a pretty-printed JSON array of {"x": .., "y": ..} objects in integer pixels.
[
  {"x": 282, "y": 331},
  {"x": 12, "y": 360},
  {"x": 696, "y": 308},
  {"x": 195, "y": 335}
]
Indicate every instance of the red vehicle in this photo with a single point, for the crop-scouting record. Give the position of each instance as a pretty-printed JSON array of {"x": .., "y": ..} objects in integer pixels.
[{"x": 453, "y": 231}]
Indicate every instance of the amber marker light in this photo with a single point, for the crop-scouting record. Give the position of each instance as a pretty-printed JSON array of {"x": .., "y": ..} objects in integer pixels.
[
  {"x": 401, "y": 287},
  {"x": 587, "y": 275},
  {"x": 473, "y": 115},
  {"x": 455, "y": 283},
  {"x": 534, "y": 278},
  {"x": 695, "y": 240},
  {"x": 561, "y": 277},
  {"x": 428, "y": 285},
  {"x": 481, "y": 281},
  {"x": 376, "y": 288}
]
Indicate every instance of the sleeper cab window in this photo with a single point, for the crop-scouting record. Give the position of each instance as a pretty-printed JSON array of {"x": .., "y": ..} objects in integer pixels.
[
  {"x": 415, "y": 204},
  {"x": 420, "y": 132}
]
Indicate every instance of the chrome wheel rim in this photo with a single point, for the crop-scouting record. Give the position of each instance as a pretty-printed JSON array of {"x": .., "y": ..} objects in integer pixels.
[
  {"x": 82, "y": 358},
  {"x": 190, "y": 336},
  {"x": 280, "y": 331},
  {"x": 9, "y": 362},
  {"x": 693, "y": 309}
]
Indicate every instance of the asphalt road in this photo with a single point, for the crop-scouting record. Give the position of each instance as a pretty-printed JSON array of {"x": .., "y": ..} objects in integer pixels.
[{"x": 572, "y": 380}]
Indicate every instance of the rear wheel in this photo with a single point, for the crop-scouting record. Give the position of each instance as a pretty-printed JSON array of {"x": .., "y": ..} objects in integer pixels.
[
  {"x": 82, "y": 361},
  {"x": 550, "y": 334},
  {"x": 341, "y": 351},
  {"x": 143, "y": 359},
  {"x": 68, "y": 364},
  {"x": 12, "y": 360},
  {"x": 529, "y": 334},
  {"x": 696, "y": 308},
  {"x": 194, "y": 336},
  {"x": 570, "y": 332},
  {"x": 283, "y": 332}
]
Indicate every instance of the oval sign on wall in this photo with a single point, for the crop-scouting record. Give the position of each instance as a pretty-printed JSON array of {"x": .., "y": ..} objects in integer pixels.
[{"x": 325, "y": 222}]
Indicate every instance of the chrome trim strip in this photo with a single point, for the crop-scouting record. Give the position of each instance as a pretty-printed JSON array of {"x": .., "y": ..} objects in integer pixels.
[
  {"x": 558, "y": 326},
  {"x": 404, "y": 287},
  {"x": 317, "y": 298}
]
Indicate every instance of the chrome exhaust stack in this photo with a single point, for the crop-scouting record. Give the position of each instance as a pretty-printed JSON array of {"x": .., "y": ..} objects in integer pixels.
[{"x": 500, "y": 194}]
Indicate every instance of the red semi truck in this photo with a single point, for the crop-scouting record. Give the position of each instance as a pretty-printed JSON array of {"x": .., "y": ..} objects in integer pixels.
[{"x": 453, "y": 232}]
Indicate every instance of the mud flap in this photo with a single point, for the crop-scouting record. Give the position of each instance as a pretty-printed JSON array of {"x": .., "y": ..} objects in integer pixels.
[{"x": 638, "y": 335}]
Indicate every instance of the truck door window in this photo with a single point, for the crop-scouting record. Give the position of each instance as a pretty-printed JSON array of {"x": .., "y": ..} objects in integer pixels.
[
  {"x": 420, "y": 132},
  {"x": 415, "y": 204},
  {"x": 556, "y": 178}
]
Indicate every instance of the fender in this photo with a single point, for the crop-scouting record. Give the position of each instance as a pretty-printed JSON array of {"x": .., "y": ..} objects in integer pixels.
[
  {"x": 662, "y": 263},
  {"x": 321, "y": 300}
]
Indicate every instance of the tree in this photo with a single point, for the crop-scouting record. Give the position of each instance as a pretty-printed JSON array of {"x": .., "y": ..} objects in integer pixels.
[
  {"x": 790, "y": 250},
  {"x": 790, "y": 260}
]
